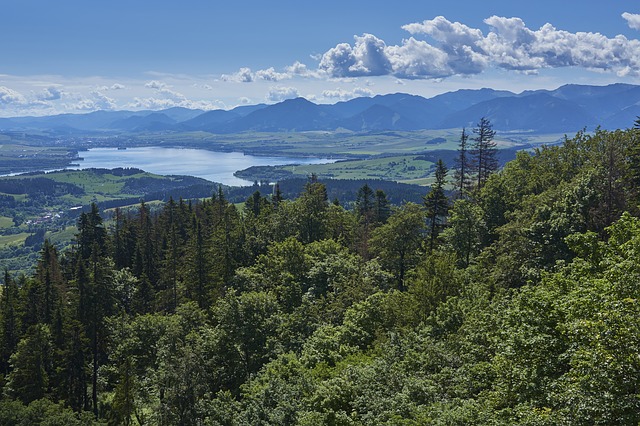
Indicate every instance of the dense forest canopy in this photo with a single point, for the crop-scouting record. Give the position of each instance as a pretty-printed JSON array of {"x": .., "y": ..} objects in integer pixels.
[{"x": 514, "y": 301}]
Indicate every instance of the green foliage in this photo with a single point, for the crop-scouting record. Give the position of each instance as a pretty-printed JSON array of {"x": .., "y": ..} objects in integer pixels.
[
  {"x": 522, "y": 310},
  {"x": 398, "y": 242}
]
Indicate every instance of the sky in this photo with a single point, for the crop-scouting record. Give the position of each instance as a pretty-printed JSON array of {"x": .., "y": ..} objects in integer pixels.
[{"x": 76, "y": 56}]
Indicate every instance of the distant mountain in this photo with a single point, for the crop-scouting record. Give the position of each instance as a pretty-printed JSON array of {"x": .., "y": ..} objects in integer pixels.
[
  {"x": 153, "y": 122},
  {"x": 291, "y": 115},
  {"x": 601, "y": 102},
  {"x": 179, "y": 114},
  {"x": 623, "y": 119},
  {"x": 378, "y": 117},
  {"x": 98, "y": 120},
  {"x": 539, "y": 112},
  {"x": 210, "y": 120},
  {"x": 464, "y": 98},
  {"x": 247, "y": 109},
  {"x": 566, "y": 109},
  {"x": 6, "y": 124}
]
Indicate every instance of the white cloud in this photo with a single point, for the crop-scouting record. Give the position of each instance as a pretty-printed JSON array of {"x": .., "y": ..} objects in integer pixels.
[
  {"x": 166, "y": 92},
  {"x": 117, "y": 86},
  {"x": 245, "y": 101},
  {"x": 418, "y": 59},
  {"x": 366, "y": 57},
  {"x": 633, "y": 20},
  {"x": 298, "y": 68},
  {"x": 9, "y": 97},
  {"x": 101, "y": 101},
  {"x": 345, "y": 95},
  {"x": 153, "y": 103},
  {"x": 50, "y": 94},
  {"x": 244, "y": 75},
  {"x": 279, "y": 93},
  {"x": 270, "y": 74},
  {"x": 155, "y": 84},
  {"x": 462, "y": 50}
]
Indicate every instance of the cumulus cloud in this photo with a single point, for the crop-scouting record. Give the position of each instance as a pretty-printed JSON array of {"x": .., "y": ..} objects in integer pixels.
[
  {"x": 270, "y": 74},
  {"x": 102, "y": 101},
  {"x": 153, "y": 103},
  {"x": 115, "y": 86},
  {"x": 155, "y": 84},
  {"x": 50, "y": 94},
  {"x": 298, "y": 68},
  {"x": 439, "y": 48},
  {"x": 246, "y": 75},
  {"x": 633, "y": 20},
  {"x": 345, "y": 95},
  {"x": 367, "y": 56},
  {"x": 10, "y": 97},
  {"x": 165, "y": 91},
  {"x": 279, "y": 93}
]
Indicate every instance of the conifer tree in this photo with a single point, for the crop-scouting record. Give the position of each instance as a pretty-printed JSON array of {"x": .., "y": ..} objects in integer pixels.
[
  {"x": 90, "y": 230},
  {"x": 312, "y": 206},
  {"x": 462, "y": 170},
  {"x": 49, "y": 277},
  {"x": 484, "y": 151},
  {"x": 31, "y": 365},
  {"x": 276, "y": 198},
  {"x": 381, "y": 207},
  {"x": 9, "y": 320},
  {"x": 437, "y": 204},
  {"x": 365, "y": 211}
]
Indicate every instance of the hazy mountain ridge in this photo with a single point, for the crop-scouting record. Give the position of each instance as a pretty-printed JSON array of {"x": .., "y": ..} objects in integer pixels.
[{"x": 568, "y": 108}]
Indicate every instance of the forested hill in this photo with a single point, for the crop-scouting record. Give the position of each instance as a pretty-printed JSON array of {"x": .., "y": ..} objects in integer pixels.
[{"x": 514, "y": 303}]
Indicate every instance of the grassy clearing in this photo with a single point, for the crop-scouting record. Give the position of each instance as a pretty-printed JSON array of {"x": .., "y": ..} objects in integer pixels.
[
  {"x": 5, "y": 222},
  {"x": 64, "y": 236},
  {"x": 13, "y": 240},
  {"x": 399, "y": 168}
]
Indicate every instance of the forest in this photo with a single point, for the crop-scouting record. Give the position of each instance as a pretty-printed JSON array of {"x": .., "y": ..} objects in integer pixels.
[{"x": 505, "y": 297}]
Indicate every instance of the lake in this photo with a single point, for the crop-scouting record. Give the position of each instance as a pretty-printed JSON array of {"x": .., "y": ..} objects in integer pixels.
[{"x": 211, "y": 165}]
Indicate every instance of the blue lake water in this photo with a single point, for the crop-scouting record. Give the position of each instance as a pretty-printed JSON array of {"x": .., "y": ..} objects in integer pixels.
[{"x": 211, "y": 165}]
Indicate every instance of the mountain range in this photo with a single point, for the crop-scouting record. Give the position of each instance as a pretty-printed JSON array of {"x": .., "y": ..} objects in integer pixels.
[{"x": 567, "y": 109}]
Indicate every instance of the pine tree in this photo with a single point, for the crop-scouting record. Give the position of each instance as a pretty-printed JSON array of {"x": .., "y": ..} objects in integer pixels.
[
  {"x": 312, "y": 206},
  {"x": 90, "y": 230},
  {"x": 484, "y": 150},
  {"x": 381, "y": 207},
  {"x": 9, "y": 320},
  {"x": 31, "y": 365},
  {"x": 437, "y": 204},
  {"x": 197, "y": 264},
  {"x": 462, "y": 171},
  {"x": 49, "y": 277},
  {"x": 365, "y": 203},
  {"x": 276, "y": 198},
  {"x": 365, "y": 212}
]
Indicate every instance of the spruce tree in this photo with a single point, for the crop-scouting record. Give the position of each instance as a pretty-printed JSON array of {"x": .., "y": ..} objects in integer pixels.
[
  {"x": 484, "y": 151},
  {"x": 462, "y": 171},
  {"x": 381, "y": 207},
  {"x": 365, "y": 213},
  {"x": 9, "y": 321},
  {"x": 437, "y": 204}
]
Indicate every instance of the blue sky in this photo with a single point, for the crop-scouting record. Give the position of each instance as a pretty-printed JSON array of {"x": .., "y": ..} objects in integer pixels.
[{"x": 80, "y": 56}]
